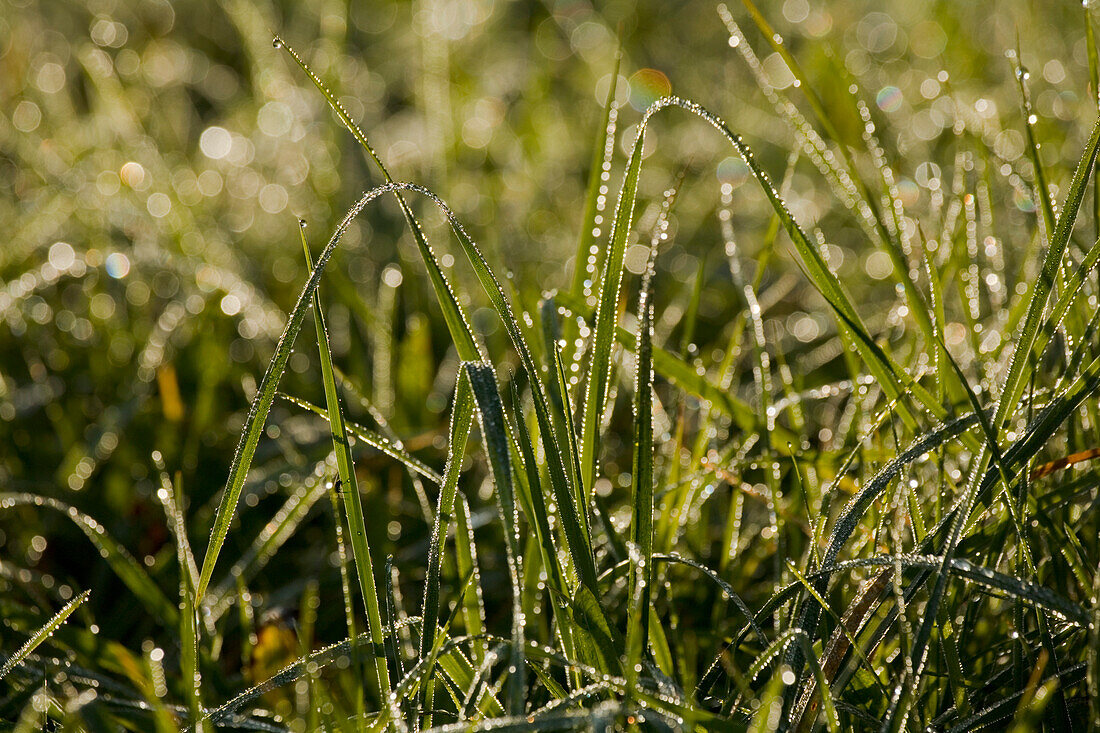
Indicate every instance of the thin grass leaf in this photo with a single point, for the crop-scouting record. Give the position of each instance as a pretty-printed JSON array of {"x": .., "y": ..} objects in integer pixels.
[
  {"x": 461, "y": 423},
  {"x": 640, "y": 579},
  {"x": 43, "y": 633},
  {"x": 128, "y": 570},
  {"x": 585, "y": 263},
  {"x": 353, "y": 502},
  {"x": 494, "y": 432},
  {"x": 374, "y": 440}
]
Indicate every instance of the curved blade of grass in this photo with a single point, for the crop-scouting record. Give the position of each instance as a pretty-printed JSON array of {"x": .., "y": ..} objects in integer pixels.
[
  {"x": 373, "y": 439},
  {"x": 893, "y": 379},
  {"x": 1026, "y": 590},
  {"x": 353, "y": 502},
  {"x": 265, "y": 394},
  {"x": 457, "y": 323},
  {"x": 43, "y": 633},
  {"x": 128, "y": 570},
  {"x": 889, "y": 240}
]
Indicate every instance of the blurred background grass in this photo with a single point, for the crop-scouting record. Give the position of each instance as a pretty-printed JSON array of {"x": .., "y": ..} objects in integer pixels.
[{"x": 155, "y": 156}]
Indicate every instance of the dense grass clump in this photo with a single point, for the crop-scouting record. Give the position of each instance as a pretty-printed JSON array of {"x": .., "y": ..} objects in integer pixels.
[{"x": 800, "y": 437}]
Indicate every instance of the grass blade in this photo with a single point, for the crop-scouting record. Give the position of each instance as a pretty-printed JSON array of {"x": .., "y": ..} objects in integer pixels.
[
  {"x": 494, "y": 432},
  {"x": 43, "y": 633},
  {"x": 353, "y": 502}
]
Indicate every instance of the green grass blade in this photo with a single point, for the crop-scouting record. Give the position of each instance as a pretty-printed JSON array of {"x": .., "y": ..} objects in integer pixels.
[
  {"x": 353, "y": 502},
  {"x": 461, "y": 422},
  {"x": 495, "y": 434},
  {"x": 43, "y": 633},
  {"x": 607, "y": 309},
  {"x": 640, "y": 580},
  {"x": 585, "y": 265},
  {"x": 893, "y": 379}
]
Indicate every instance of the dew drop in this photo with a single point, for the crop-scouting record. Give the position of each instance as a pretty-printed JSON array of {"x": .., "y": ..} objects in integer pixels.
[
  {"x": 302, "y": 223},
  {"x": 276, "y": 42}
]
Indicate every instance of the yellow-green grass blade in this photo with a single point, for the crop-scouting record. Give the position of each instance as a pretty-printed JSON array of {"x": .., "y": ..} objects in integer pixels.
[
  {"x": 585, "y": 265},
  {"x": 573, "y": 517},
  {"x": 607, "y": 310},
  {"x": 893, "y": 379}
]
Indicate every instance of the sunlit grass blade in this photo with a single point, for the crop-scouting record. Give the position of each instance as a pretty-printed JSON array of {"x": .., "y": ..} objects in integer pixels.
[
  {"x": 585, "y": 263},
  {"x": 893, "y": 379},
  {"x": 353, "y": 502},
  {"x": 265, "y": 394},
  {"x": 606, "y": 321},
  {"x": 43, "y": 633},
  {"x": 888, "y": 238},
  {"x": 188, "y": 577}
]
